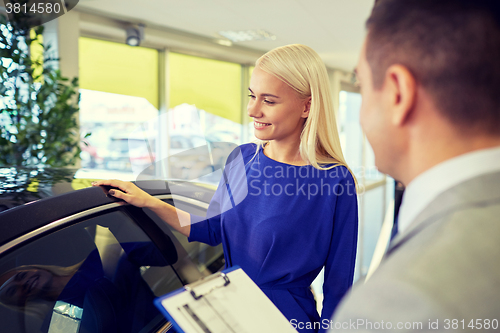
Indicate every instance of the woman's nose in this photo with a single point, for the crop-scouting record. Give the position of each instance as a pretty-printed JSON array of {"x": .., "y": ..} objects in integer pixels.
[{"x": 253, "y": 109}]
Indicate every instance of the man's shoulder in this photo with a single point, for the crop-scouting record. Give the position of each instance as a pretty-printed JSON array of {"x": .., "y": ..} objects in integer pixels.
[
  {"x": 460, "y": 235},
  {"x": 479, "y": 192},
  {"x": 442, "y": 271}
]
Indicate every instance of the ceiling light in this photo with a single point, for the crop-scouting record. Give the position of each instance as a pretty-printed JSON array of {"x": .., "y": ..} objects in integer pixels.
[
  {"x": 247, "y": 35},
  {"x": 135, "y": 34}
]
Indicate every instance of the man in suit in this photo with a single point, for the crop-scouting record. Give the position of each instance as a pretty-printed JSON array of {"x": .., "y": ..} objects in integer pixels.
[{"x": 429, "y": 74}]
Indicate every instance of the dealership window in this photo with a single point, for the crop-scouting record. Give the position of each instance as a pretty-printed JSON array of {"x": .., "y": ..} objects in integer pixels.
[
  {"x": 213, "y": 87},
  {"x": 119, "y": 90},
  {"x": 204, "y": 109},
  {"x": 120, "y": 102},
  {"x": 375, "y": 189}
]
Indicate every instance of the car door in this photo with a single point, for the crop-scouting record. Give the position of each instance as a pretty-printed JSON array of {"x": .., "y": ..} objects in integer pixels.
[
  {"x": 98, "y": 271},
  {"x": 195, "y": 260},
  {"x": 88, "y": 277}
]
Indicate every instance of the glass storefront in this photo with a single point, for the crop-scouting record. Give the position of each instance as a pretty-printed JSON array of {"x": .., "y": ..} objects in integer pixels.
[{"x": 131, "y": 138}]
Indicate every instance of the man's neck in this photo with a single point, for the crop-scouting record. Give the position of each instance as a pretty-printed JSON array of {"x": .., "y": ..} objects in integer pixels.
[{"x": 430, "y": 153}]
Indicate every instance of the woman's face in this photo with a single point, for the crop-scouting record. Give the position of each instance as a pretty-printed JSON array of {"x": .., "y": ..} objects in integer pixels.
[
  {"x": 25, "y": 284},
  {"x": 277, "y": 110}
]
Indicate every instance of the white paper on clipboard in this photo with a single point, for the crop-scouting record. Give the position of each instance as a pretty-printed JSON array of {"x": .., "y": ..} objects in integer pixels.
[{"x": 226, "y": 302}]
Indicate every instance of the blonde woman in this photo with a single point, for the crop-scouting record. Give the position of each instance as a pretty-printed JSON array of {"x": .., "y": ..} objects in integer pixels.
[
  {"x": 291, "y": 209},
  {"x": 34, "y": 289},
  {"x": 29, "y": 282},
  {"x": 107, "y": 299}
]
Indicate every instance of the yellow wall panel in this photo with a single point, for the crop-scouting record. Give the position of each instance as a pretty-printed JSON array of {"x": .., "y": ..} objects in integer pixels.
[
  {"x": 250, "y": 71},
  {"x": 211, "y": 85},
  {"x": 119, "y": 68},
  {"x": 36, "y": 52}
]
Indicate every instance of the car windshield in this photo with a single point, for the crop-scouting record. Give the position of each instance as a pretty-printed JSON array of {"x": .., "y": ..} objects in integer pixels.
[{"x": 119, "y": 145}]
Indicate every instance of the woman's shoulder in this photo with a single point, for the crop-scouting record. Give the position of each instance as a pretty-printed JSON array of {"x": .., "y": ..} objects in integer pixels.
[
  {"x": 246, "y": 150},
  {"x": 339, "y": 173}
]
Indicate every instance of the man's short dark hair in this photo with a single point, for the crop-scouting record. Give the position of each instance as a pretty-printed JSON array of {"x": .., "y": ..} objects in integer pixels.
[{"x": 452, "y": 47}]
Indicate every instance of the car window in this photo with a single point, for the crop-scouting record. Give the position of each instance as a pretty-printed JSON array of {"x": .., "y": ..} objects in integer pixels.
[
  {"x": 198, "y": 141},
  {"x": 196, "y": 259},
  {"x": 99, "y": 275},
  {"x": 118, "y": 145}
]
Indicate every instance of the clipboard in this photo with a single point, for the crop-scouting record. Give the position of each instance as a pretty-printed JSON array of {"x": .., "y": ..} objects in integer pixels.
[{"x": 224, "y": 302}]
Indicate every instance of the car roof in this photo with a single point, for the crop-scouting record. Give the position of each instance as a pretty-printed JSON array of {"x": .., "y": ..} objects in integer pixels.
[
  {"x": 15, "y": 222},
  {"x": 22, "y": 219},
  {"x": 20, "y": 185}
]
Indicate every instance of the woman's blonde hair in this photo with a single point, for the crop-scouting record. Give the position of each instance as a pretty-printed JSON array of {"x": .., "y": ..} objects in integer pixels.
[
  {"x": 37, "y": 308},
  {"x": 302, "y": 69}
]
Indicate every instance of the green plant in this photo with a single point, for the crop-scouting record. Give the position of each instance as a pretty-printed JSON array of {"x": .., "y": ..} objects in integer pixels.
[{"x": 38, "y": 106}]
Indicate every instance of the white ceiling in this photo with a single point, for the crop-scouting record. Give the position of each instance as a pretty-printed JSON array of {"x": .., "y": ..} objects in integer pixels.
[{"x": 334, "y": 28}]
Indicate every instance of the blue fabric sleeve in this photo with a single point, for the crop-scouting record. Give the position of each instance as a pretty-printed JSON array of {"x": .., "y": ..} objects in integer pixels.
[
  {"x": 205, "y": 230},
  {"x": 340, "y": 263},
  {"x": 208, "y": 229}
]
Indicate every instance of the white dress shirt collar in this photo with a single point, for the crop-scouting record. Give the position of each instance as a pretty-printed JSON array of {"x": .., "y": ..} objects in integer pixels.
[{"x": 428, "y": 185}]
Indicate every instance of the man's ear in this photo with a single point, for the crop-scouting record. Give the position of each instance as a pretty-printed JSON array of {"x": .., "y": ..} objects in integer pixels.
[
  {"x": 401, "y": 93},
  {"x": 307, "y": 108}
]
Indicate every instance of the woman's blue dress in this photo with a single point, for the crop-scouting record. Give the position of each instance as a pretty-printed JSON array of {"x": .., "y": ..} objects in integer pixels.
[{"x": 282, "y": 224}]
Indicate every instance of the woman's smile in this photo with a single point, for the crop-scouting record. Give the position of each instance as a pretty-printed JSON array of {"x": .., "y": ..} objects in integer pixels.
[{"x": 258, "y": 125}]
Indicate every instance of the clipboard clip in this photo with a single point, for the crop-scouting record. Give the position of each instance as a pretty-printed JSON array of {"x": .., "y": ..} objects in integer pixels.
[{"x": 191, "y": 286}]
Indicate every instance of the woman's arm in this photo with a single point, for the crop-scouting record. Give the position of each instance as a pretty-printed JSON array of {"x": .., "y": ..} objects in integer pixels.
[
  {"x": 340, "y": 263},
  {"x": 176, "y": 218}
]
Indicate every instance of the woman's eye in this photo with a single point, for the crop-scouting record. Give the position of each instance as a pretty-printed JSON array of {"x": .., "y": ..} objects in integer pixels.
[
  {"x": 251, "y": 96},
  {"x": 19, "y": 276},
  {"x": 269, "y": 102},
  {"x": 11, "y": 291}
]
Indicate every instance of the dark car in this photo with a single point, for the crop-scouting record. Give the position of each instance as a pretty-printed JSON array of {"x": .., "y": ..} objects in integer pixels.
[{"x": 79, "y": 261}]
